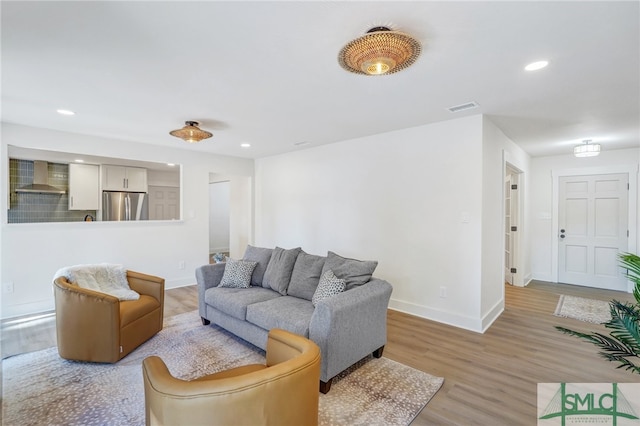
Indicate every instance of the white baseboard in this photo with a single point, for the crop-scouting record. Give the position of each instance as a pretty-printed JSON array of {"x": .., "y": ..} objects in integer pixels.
[
  {"x": 492, "y": 315},
  {"x": 456, "y": 320},
  {"x": 527, "y": 279},
  {"x": 27, "y": 309},
  {"x": 180, "y": 282},
  {"x": 542, "y": 277}
]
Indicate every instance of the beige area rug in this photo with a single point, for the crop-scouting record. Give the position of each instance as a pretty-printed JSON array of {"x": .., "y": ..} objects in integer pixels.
[
  {"x": 40, "y": 388},
  {"x": 580, "y": 308}
]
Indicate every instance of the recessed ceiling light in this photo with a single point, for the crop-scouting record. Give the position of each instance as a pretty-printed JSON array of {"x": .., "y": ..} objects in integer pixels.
[
  {"x": 170, "y": 164},
  {"x": 462, "y": 107},
  {"x": 79, "y": 160},
  {"x": 246, "y": 145},
  {"x": 65, "y": 112},
  {"x": 535, "y": 66}
]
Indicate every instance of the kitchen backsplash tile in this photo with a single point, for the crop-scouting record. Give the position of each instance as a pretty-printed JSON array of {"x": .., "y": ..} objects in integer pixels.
[{"x": 30, "y": 208}]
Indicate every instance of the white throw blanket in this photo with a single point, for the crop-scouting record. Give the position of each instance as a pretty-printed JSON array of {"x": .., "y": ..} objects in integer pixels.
[{"x": 104, "y": 277}]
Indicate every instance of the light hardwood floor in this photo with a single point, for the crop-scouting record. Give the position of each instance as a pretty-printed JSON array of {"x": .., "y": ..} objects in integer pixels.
[{"x": 490, "y": 378}]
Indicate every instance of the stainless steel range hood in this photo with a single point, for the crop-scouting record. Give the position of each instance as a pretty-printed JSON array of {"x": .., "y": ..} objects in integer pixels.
[{"x": 40, "y": 181}]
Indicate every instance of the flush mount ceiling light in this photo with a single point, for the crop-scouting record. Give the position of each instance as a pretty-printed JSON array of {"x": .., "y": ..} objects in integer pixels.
[
  {"x": 587, "y": 149},
  {"x": 379, "y": 51},
  {"x": 191, "y": 133}
]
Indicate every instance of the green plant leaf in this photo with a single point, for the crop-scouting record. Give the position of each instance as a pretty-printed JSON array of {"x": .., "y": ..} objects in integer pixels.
[
  {"x": 631, "y": 262},
  {"x": 612, "y": 349},
  {"x": 625, "y": 321},
  {"x": 623, "y": 343}
]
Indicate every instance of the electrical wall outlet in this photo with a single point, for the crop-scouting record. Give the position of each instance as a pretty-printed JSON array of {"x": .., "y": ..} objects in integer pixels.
[
  {"x": 443, "y": 292},
  {"x": 181, "y": 264},
  {"x": 7, "y": 287}
]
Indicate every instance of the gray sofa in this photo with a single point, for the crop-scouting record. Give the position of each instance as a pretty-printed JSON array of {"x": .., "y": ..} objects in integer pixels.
[{"x": 283, "y": 293}]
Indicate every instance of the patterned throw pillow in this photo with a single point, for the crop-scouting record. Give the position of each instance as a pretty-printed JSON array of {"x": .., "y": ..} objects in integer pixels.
[
  {"x": 237, "y": 273},
  {"x": 329, "y": 285}
]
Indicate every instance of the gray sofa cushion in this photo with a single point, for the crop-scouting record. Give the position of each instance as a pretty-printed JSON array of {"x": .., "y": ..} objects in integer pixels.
[
  {"x": 234, "y": 301},
  {"x": 278, "y": 273},
  {"x": 262, "y": 256},
  {"x": 306, "y": 275},
  {"x": 286, "y": 312},
  {"x": 354, "y": 272}
]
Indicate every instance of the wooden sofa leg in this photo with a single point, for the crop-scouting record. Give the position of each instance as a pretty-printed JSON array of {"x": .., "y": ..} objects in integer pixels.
[
  {"x": 325, "y": 386},
  {"x": 205, "y": 321},
  {"x": 378, "y": 352}
]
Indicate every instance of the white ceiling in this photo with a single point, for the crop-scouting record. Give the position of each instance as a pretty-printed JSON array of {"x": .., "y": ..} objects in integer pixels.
[{"x": 266, "y": 73}]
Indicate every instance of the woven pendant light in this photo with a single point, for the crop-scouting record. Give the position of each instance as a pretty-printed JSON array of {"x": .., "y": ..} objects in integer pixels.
[
  {"x": 380, "y": 51},
  {"x": 191, "y": 133}
]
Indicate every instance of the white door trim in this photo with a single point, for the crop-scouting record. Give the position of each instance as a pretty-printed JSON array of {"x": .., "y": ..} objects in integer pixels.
[
  {"x": 631, "y": 170},
  {"x": 519, "y": 278}
]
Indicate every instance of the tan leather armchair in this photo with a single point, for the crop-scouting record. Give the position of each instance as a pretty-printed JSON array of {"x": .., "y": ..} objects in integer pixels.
[
  {"x": 282, "y": 392},
  {"x": 97, "y": 327}
]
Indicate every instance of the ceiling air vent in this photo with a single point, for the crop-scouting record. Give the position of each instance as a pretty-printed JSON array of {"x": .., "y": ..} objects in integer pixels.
[{"x": 463, "y": 107}]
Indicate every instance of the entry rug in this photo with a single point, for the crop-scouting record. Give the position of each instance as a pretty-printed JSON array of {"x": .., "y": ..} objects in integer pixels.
[
  {"x": 580, "y": 308},
  {"x": 40, "y": 388}
]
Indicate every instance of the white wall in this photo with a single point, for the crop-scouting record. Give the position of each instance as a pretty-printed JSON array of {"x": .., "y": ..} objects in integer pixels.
[
  {"x": 497, "y": 150},
  {"x": 411, "y": 199},
  {"x": 543, "y": 235},
  {"x": 31, "y": 253}
]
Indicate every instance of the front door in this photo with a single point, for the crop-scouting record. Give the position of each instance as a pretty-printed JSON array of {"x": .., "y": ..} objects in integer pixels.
[{"x": 593, "y": 229}]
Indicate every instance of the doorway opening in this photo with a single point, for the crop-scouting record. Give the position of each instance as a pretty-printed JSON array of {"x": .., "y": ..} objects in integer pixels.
[
  {"x": 219, "y": 228},
  {"x": 231, "y": 214}
]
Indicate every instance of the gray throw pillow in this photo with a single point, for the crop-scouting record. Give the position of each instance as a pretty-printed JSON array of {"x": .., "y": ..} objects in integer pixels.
[
  {"x": 354, "y": 272},
  {"x": 329, "y": 286},
  {"x": 262, "y": 256},
  {"x": 237, "y": 274},
  {"x": 278, "y": 273},
  {"x": 306, "y": 275}
]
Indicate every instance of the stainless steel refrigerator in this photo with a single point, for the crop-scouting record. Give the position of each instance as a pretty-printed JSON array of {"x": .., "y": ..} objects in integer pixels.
[{"x": 125, "y": 205}]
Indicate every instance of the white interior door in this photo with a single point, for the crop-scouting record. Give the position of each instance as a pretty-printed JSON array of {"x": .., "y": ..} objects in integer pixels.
[
  {"x": 512, "y": 222},
  {"x": 164, "y": 203},
  {"x": 508, "y": 254},
  {"x": 593, "y": 229}
]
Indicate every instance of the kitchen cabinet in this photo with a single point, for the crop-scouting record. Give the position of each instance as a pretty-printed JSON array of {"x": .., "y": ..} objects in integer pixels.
[
  {"x": 121, "y": 178},
  {"x": 84, "y": 187}
]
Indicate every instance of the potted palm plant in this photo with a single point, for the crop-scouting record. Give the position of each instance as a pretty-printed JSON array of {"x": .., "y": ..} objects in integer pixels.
[{"x": 622, "y": 345}]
